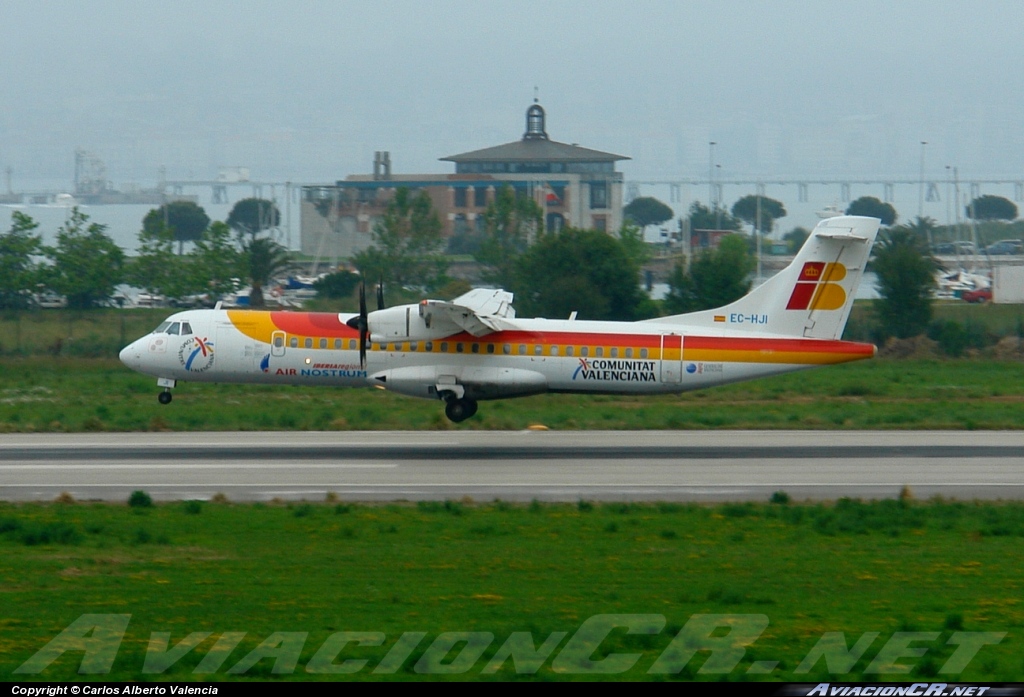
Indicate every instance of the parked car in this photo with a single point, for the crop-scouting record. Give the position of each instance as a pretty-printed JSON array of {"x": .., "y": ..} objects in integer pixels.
[
  {"x": 953, "y": 248},
  {"x": 1005, "y": 247},
  {"x": 978, "y": 295},
  {"x": 48, "y": 300}
]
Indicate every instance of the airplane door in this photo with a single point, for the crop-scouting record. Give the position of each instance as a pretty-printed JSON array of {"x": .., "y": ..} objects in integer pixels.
[
  {"x": 277, "y": 343},
  {"x": 671, "y": 358}
]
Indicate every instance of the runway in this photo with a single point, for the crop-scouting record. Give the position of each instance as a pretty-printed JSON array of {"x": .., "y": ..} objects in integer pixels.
[{"x": 514, "y": 466}]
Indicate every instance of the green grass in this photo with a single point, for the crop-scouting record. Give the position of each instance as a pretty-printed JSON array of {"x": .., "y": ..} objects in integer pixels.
[
  {"x": 852, "y": 567},
  {"x": 69, "y": 394}
]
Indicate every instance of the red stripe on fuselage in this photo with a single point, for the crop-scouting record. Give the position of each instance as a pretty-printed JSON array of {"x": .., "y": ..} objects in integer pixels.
[{"x": 312, "y": 324}]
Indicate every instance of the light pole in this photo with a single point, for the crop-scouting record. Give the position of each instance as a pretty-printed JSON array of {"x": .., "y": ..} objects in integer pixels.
[
  {"x": 718, "y": 206},
  {"x": 920, "y": 192},
  {"x": 711, "y": 172}
]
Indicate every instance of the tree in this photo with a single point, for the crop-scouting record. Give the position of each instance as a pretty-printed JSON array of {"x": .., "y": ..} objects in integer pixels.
[
  {"x": 406, "y": 243},
  {"x": 795, "y": 239},
  {"x": 156, "y": 268},
  {"x": 647, "y": 210},
  {"x": 771, "y": 210},
  {"x": 906, "y": 280},
  {"x": 87, "y": 263},
  {"x": 19, "y": 272},
  {"x": 510, "y": 222},
  {"x": 263, "y": 259},
  {"x": 717, "y": 277},
  {"x": 586, "y": 271},
  {"x": 717, "y": 218},
  {"x": 990, "y": 207},
  {"x": 873, "y": 208},
  {"x": 185, "y": 219},
  {"x": 251, "y": 216},
  {"x": 337, "y": 285},
  {"x": 216, "y": 261}
]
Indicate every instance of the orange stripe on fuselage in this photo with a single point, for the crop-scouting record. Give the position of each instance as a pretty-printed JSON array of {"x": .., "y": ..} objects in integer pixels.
[
  {"x": 261, "y": 325},
  {"x": 791, "y": 351}
]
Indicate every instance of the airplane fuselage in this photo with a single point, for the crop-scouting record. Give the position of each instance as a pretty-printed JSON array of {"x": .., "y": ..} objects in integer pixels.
[{"x": 539, "y": 356}]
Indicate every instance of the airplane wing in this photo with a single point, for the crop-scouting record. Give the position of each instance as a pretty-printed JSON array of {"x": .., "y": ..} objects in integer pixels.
[{"x": 479, "y": 312}]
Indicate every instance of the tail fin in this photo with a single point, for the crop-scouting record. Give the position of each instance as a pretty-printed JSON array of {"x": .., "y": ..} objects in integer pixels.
[{"x": 811, "y": 297}]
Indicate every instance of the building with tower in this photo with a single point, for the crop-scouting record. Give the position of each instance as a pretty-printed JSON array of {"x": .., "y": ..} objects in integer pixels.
[{"x": 575, "y": 186}]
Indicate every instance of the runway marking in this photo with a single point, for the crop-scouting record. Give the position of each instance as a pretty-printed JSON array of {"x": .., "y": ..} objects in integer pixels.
[
  {"x": 521, "y": 485},
  {"x": 177, "y": 466}
]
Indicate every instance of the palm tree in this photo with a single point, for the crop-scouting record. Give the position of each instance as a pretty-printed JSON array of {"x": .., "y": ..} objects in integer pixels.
[{"x": 263, "y": 259}]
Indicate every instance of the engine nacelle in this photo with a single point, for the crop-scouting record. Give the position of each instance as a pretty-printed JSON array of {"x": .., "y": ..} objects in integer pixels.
[
  {"x": 408, "y": 323},
  {"x": 473, "y": 382}
]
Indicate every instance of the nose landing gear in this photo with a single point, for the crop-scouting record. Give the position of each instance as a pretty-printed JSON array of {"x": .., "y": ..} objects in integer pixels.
[{"x": 167, "y": 384}]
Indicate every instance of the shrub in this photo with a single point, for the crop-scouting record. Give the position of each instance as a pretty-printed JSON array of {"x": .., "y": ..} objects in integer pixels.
[{"x": 140, "y": 499}]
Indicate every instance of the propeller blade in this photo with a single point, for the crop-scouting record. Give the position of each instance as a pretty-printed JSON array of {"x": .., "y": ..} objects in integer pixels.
[{"x": 363, "y": 324}]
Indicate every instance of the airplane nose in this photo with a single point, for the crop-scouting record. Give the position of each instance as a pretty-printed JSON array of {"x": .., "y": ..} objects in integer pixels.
[{"x": 130, "y": 356}]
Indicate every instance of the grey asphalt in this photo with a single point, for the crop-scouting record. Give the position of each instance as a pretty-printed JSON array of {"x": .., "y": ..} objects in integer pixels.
[{"x": 515, "y": 466}]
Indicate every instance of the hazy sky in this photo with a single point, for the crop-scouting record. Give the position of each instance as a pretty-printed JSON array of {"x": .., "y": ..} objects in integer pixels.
[{"x": 307, "y": 91}]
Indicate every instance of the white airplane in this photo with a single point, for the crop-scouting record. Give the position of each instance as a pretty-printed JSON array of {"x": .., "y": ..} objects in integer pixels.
[{"x": 475, "y": 348}]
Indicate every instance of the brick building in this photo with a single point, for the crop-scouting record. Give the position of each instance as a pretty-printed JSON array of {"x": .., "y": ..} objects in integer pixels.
[{"x": 576, "y": 186}]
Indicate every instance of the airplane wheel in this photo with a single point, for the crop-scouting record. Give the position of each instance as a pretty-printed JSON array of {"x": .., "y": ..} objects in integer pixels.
[
  {"x": 164, "y": 397},
  {"x": 460, "y": 409}
]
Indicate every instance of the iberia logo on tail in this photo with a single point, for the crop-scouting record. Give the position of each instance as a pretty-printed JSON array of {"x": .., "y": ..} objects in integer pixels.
[{"x": 816, "y": 287}]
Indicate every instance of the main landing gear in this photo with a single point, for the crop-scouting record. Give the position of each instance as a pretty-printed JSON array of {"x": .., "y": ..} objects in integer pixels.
[{"x": 459, "y": 409}]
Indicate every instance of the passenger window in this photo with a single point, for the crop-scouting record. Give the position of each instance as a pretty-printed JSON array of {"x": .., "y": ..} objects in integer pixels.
[
  {"x": 337, "y": 344},
  {"x": 444, "y": 347},
  {"x": 643, "y": 353},
  {"x": 554, "y": 350},
  {"x": 186, "y": 328},
  {"x": 414, "y": 346},
  {"x": 599, "y": 351},
  {"x": 629, "y": 353},
  {"x": 615, "y": 353},
  {"x": 174, "y": 328},
  {"x": 278, "y": 342},
  {"x": 490, "y": 348},
  {"x": 429, "y": 346},
  {"x": 475, "y": 347},
  {"x": 506, "y": 349},
  {"x": 584, "y": 350},
  {"x": 568, "y": 350},
  {"x": 308, "y": 343},
  {"x": 459, "y": 347},
  {"x": 294, "y": 342},
  {"x": 538, "y": 350},
  {"x": 323, "y": 343},
  {"x": 351, "y": 344}
]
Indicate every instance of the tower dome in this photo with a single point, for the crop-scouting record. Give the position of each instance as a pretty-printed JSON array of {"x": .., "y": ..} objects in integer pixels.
[{"x": 535, "y": 123}]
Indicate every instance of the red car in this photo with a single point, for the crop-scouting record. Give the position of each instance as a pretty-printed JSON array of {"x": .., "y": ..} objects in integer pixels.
[{"x": 978, "y": 295}]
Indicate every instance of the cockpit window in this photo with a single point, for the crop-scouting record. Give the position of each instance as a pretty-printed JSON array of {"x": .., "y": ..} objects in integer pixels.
[
  {"x": 186, "y": 328},
  {"x": 175, "y": 328},
  {"x": 162, "y": 329}
]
